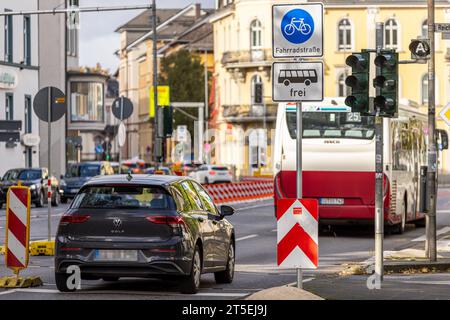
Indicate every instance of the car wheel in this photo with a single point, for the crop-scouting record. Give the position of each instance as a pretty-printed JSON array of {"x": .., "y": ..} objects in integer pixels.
[
  {"x": 57, "y": 200},
  {"x": 61, "y": 282},
  {"x": 41, "y": 200},
  {"x": 64, "y": 200},
  {"x": 227, "y": 275},
  {"x": 110, "y": 279},
  {"x": 1, "y": 205},
  {"x": 191, "y": 283}
]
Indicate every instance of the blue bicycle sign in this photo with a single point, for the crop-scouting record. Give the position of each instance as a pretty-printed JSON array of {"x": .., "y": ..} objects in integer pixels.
[{"x": 297, "y": 26}]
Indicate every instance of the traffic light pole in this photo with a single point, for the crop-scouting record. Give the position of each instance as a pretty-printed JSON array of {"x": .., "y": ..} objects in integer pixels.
[
  {"x": 379, "y": 216},
  {"x": 431, "y": 251},
  {"x": 156, "y": 143}
]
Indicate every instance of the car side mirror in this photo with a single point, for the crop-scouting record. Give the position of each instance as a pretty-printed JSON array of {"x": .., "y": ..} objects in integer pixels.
[{"x": 226, "y": 210}]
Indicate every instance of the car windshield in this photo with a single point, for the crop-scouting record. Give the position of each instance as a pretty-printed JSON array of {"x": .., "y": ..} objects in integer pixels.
[
  {"x": 29, "y": 175},
  {"x": 11, "y": 175},
  {"x": 220, "y": 168},
  {"x": 123, "y": 196},
  {"x": 84, "y": 170},
  {"x": 346, "y": 125}
]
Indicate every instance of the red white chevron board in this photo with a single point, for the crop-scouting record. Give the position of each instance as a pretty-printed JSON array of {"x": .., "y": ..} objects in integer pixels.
[
  {"x": 297, "y": 233},
  {"x": 17, "y": 227}
]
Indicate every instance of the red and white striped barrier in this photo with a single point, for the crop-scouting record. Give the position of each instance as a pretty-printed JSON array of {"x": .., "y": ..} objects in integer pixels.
[
  {"x": 240, "y": 191},
  {"x": 17, "y": 227},
  {"x": 297, "y": 233}
]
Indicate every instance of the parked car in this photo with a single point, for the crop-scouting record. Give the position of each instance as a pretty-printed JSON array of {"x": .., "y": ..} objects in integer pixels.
[
  {"x": 145, "y": 226},
  {"x": 79, "y": 173},
  {"x": 211, "y": 174},
  {"x": 36, "y": 179},
  {"x": 159, "y": 170}
]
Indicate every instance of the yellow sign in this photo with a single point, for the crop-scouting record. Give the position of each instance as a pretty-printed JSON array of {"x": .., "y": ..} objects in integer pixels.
[{"x": 163, "y": 99}]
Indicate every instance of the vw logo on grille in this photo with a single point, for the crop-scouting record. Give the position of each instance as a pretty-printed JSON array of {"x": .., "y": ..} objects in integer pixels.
[{"x": 117, "y": 223}]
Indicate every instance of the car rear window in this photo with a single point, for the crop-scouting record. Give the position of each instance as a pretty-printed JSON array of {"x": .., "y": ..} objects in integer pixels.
[
  {"x": 220, "y": 168},
  {"x": 123, "y": 197}
]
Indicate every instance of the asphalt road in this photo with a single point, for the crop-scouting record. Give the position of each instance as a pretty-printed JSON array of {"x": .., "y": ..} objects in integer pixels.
[{"x": 255, "y": 258}]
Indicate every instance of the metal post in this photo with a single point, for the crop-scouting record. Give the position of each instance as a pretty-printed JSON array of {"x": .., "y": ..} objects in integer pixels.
[
  {"x": 49, "y": 154},
  {"x": 299, "y": 173},
  {"x": 379, "y": 217},
  {"x": 431, "y": 250},
  {"x": 155, "y": 81},
  {"x": 120, "y": 148},
  {"x": 206, "y": 102},
  {"x": 201, "y": 114}
]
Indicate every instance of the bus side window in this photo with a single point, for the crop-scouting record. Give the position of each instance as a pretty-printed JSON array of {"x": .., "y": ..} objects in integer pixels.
[{"x": 282, "y": 74}]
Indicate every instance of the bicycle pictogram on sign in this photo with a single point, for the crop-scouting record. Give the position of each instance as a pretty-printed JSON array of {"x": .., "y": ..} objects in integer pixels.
[{"x": 297, "y": 26}]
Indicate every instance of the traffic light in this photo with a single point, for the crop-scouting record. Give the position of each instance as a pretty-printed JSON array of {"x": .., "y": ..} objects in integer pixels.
[
  {"x": 165, "y": 122},
  {"x": 358, "y": 81},
  {"x": 258, "y": 93},
  {"x": 387, "y": 83}
]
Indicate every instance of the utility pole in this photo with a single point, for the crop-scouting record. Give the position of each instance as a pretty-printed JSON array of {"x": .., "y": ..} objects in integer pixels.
[
  {"x": 206, "y": 104},
  {"x": 431, "y": 251},
  {"x": 156, "y": 143},
  {"x": 379, "y": 216}
]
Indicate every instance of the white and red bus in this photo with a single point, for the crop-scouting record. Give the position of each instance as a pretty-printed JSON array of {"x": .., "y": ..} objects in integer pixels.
[{"x": 339, "y": 162}]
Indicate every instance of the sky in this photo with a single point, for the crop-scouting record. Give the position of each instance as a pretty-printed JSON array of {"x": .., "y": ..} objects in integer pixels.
[{"x": 98, "y": 41}]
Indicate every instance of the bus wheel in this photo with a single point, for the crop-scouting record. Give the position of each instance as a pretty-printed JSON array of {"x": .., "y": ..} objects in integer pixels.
[
  {"x": 307, "y": 82},
  {"x": 286, "y": 82}
]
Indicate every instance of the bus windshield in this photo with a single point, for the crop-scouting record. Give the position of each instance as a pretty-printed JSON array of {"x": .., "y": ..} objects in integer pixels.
[{"x": 323, "y": 125}]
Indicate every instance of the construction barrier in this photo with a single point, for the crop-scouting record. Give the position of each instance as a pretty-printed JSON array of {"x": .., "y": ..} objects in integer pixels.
[{"x": 240, "y": 191}]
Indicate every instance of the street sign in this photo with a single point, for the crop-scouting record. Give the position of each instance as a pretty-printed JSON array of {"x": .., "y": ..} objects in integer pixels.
[
  {"x": 420, "y": 49},
  {"x": 57, "y": 101},
  {"x": 297, "y": 233},
  {"x": 163, "y": 99},
  {"x": 442, "y": 27},
  {"x": 17, "y": 227},
  {"x": 122, "y": 108},
  {"x": 31, "y": 140},
  {"x": 445, "y": 114},
  {"x": 297, "y": 30},
  {"x": 182, "y": 133},
  {"x": 121, "y": 134},
  {"x": 297, "y": 81}
]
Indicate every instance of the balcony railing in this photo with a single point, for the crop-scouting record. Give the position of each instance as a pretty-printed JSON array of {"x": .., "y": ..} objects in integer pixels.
[
  {"x": 249, "y": 111},
  {"x": 246, "y": 56}
]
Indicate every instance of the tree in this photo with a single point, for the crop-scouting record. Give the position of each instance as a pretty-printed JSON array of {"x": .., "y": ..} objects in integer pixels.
[{"x": 184, "y": 74}]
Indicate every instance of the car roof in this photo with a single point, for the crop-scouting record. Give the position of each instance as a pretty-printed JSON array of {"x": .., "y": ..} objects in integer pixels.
[
  {"x": 150, "y": 179},
  {"x": 87, "y": 162},
  {"x": 25, "y": 169}
]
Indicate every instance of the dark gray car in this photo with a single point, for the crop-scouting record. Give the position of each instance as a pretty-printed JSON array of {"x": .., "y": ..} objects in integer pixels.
[{"x": 145, "y": 226}]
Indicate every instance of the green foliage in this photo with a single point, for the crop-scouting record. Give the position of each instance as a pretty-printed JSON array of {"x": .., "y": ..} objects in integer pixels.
[{"x": 184, "y": 73}]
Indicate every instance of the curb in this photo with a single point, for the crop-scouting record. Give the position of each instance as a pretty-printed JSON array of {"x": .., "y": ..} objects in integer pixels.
[{"x": 415, "y": 266}]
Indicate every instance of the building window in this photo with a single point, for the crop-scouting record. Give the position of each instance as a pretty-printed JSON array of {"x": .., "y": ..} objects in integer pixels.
[
  {"x": 86, "y": 101},
  {"x": 345, "y": 35},
  {"x": 256, "y": 81},
  {"x": 28, "y": 115},
  {"x": 424, "y": 86},
  {"x": 9, "y": 107},
  {"x": 255, "y": 35},
  {"x": 391, "y": 34},
  {"x": 343, "y": 89},
  {"x": 8, "y": 38},
  {"x": 27, "y": 40}
]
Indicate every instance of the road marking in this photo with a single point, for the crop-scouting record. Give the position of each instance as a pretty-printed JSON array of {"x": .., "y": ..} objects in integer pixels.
[
  {"x": 274, "y": 230},
  {"x": 7, "y": 292},
  {"x": 438, "y": 233},
  {"x": 303, "y": 281},
  {"x": 246, "y": 237}
]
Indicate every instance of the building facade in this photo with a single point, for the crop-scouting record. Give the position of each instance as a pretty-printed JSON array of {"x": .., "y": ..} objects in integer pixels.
[
  {"x": 19, "y": 80},
  {"x": 242, "y": 46}
]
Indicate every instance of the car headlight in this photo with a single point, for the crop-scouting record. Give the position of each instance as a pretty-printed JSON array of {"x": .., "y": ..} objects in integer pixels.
[{"x": 33, "y": 187}]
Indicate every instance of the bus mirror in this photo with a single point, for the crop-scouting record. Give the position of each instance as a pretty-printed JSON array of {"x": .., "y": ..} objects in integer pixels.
[{"x": 443, "y": 137}]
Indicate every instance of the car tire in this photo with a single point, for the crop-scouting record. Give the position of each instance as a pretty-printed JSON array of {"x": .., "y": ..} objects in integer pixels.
[
  {"x": 40, "y": 202},
  {"x": 191, "y": 283},
  {"x": 421, "y": 223},
  {"x": 64, "y": 200},
  {"x": 1, "y": 205},
  {"x": 110, "y": 279},
  {"x": 61, "y": 282},
  {"x": 57, "y": 200},
  {"x": 227, "y": 275}
]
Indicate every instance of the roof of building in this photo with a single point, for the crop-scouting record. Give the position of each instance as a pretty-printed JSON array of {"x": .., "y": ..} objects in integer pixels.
[{"x": 377, "y": 2}]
